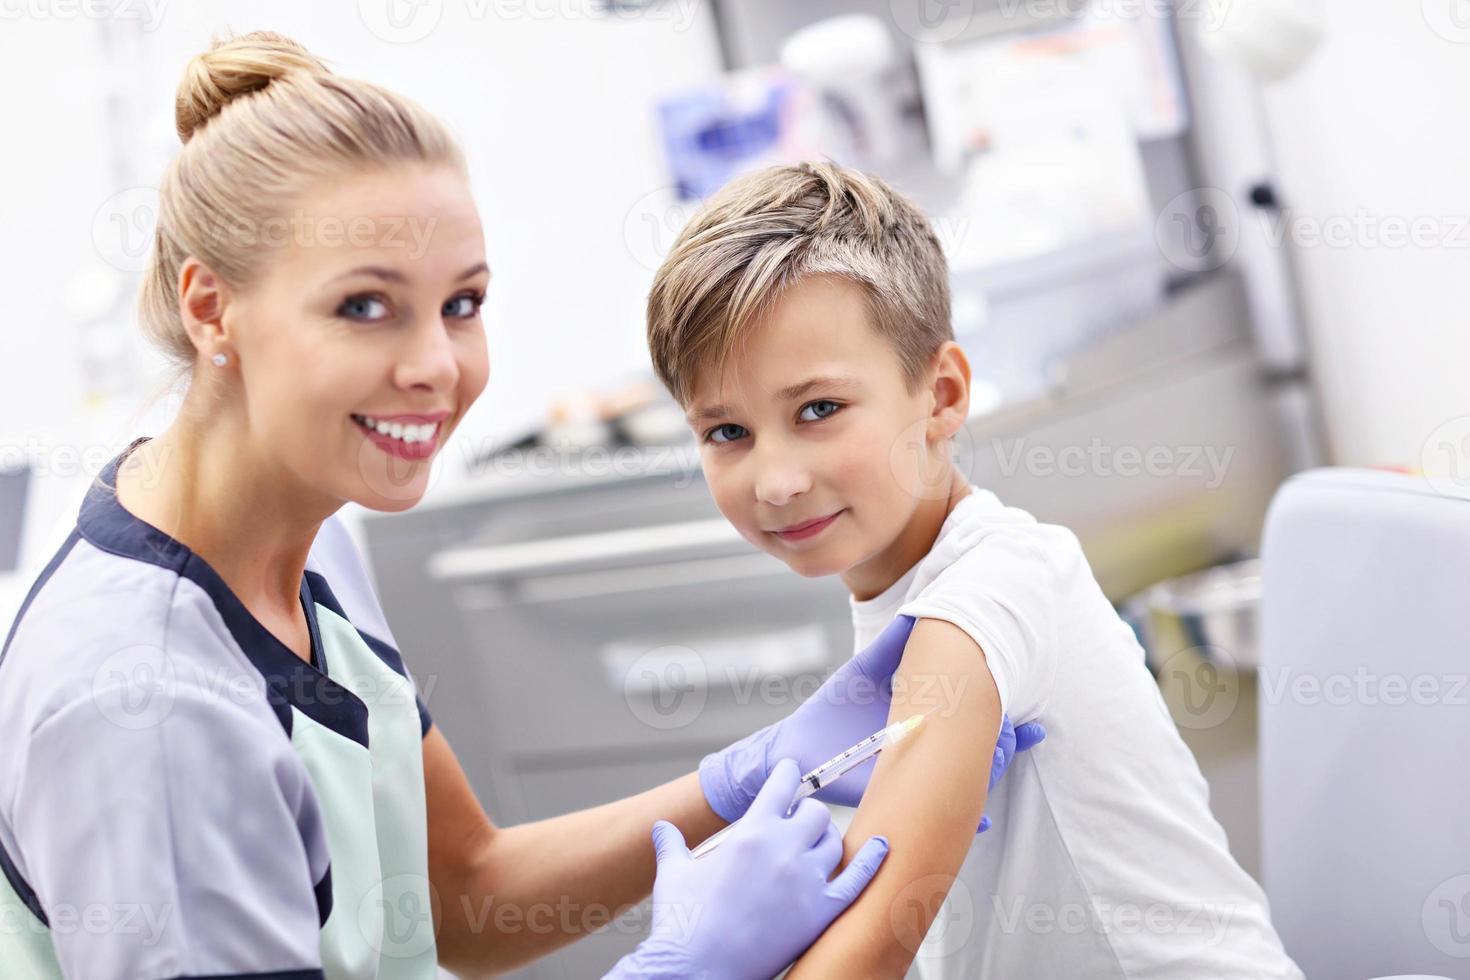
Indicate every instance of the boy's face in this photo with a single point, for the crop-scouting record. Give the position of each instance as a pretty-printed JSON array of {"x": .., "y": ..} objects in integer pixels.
[{"x": 811, "y": 442}]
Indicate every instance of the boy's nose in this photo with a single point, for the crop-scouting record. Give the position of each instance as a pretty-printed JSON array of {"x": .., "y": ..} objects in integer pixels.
[{"x": 778, "y": 484}]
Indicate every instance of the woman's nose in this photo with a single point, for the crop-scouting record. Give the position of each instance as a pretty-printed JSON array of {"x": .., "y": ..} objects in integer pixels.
[{"x": 429, "y": 360}]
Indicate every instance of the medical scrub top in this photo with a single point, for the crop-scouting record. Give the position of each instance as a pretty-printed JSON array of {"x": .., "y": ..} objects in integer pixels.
[{"x": 181, "y": 795}]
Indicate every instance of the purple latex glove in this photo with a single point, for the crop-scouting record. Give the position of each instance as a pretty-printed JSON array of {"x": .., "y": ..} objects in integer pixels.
[
  {"x": 849, "y": 706},
  {"x": 748, "y": 909},
  {"x": 1010, "y": 741}
]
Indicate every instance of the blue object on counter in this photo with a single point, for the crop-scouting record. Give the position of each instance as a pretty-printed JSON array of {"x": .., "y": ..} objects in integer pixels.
[{"x": 712, "y": 133}]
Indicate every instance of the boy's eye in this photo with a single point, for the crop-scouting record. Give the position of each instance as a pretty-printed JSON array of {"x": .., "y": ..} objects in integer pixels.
[
  {"x": 728, "y": 432},
  {"x": 818, "y": 410}
]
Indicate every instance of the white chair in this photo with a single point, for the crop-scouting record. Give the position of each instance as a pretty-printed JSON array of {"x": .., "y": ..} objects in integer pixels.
[{"x": 1365, "y": 723}]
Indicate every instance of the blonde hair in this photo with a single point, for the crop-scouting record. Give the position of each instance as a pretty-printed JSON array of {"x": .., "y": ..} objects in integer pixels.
[
  {"x": 262, "y": 121},
  {"x": 764, "y": 232}
]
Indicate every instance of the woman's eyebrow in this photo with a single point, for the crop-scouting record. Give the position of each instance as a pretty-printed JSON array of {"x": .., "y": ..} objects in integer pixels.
[{"x": 393, "y": 275}]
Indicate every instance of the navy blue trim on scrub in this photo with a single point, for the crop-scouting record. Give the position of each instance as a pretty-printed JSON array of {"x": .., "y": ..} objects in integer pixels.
[
  {"x": 308, "y": 606},
  {"x": 386, "y": 651},
  {"x": 393, "y": 659},
  {"x": 289, "y": 680},
  {"x": 322, "y": 592},
  {"x": 279, "y": 975},
  {"x": 323, "y": 890},
  {"x": 18, "y": 884},
  {"x": 22, "y": 888},
  {"x": 46, "y": 573}
]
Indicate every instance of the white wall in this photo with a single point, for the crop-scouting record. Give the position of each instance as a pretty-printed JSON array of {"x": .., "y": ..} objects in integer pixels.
[
  {"x": 54, "y": 176},
  {"x": 1374, "y": 124}
]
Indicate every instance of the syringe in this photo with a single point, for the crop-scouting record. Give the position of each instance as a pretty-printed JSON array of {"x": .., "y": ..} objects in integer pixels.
[{"x": 832, "y": 769}]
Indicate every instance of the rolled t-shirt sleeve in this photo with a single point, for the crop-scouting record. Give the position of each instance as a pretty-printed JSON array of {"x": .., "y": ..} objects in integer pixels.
[
  {"x": 1003, "y": 590},
  {"x": 172, "y": 841}
]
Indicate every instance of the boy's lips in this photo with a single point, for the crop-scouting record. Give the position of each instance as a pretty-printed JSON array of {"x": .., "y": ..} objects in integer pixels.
[{"x": 806, "y": 529}]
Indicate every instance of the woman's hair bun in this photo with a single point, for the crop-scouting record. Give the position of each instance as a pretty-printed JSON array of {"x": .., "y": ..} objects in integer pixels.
[{"x": 233, "y": 67}]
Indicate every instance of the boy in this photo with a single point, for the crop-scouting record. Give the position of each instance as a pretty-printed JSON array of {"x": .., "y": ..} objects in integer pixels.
[{"x": 802, "y": 321}]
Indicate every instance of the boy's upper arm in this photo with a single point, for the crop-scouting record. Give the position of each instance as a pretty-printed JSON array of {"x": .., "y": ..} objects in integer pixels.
[
  {"x": 926, "y": 796},
  {"x": 1004, "y": 592}
]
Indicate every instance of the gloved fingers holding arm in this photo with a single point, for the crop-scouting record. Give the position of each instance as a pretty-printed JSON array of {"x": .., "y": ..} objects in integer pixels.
[
  {"x": 751, "y": 907},
  {"x": 850, "y": 705}
]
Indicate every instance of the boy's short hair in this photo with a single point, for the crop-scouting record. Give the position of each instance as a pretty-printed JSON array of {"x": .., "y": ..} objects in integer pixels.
[{"x": 770, "y": 229}]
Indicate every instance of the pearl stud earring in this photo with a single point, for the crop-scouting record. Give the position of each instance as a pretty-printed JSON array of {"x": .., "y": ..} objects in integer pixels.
[{"x": 220, "y": 359}]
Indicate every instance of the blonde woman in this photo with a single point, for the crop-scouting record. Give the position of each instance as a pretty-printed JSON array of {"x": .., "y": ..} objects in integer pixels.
[{"x": 213, "y": 761}]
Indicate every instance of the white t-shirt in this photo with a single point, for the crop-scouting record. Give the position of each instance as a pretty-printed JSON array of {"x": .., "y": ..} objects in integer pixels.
[{"x": 1104, "y": 860}]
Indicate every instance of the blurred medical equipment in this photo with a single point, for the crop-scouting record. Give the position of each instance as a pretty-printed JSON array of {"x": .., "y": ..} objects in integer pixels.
[
  {"x": 1365, "y": 719},
  {"x": 15, "y": 485},
  {"x": 1196, "y": 122},
  {"x": 1214, "y": 611},
  {"x": 746, "y": 120},
  {"x": 851, "y": 61},
  {"x": 998, "y": 81},
  {"x": 835, "y": 768},
  {"x": 1269, "y": 38}
]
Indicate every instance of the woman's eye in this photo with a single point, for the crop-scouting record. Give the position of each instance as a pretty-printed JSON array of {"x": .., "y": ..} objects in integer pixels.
[
  {"x": 728, "y": 432},
  {"x": 820, "y": 410},
  {"x": 469, "y": 305},
  {"x": 359, "y": 307}
]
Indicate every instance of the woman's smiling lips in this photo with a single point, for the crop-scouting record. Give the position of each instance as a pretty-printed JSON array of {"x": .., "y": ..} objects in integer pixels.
[
  {"x": 408, "y": 436},
  {"x": 806, "y": 529}
]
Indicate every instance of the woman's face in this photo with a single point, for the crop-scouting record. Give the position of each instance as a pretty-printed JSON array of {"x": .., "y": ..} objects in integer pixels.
[{"x": 361, "y": 345}]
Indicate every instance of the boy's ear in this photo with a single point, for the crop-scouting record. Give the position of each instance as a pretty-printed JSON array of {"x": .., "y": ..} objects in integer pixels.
[{"x": 950, "y": 387}]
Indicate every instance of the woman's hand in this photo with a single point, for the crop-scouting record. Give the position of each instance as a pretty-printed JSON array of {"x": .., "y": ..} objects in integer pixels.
[
  {"x": 752, "y": 906},
  {"x": 851, "y": 705}
]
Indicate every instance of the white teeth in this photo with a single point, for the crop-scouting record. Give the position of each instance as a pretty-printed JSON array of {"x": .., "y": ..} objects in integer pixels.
[{"x": 408, "y": 434}]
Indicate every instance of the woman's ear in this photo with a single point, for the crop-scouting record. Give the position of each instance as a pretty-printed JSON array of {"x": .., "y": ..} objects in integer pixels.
[
  {"x": 201, "y": 304},
  {"x": 951, "y": 390}
]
